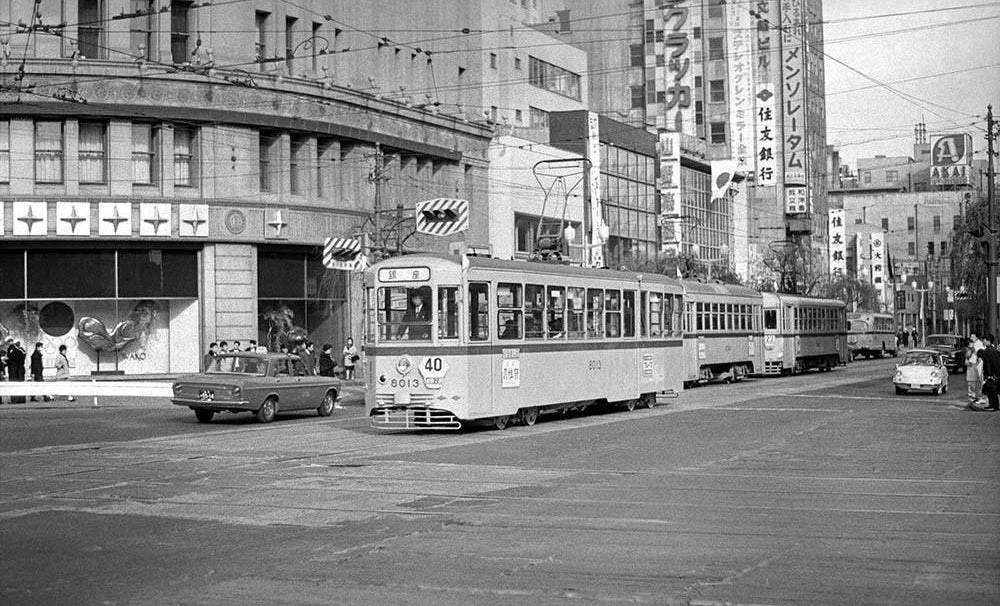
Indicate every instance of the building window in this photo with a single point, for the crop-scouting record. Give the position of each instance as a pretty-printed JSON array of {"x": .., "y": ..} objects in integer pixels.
[
  {"x": 717, "y": 132},
  {"x": 184, "y": 158},
  {"x": 553, "y": 78},
  {"x": 143, "y": 154},
  {"x": 699, "y": 112},
  {"x": 260, "y": 45},
  {"x": 891, "y": 176},
  {"x": 956, "y": 222},
  {"x": 697, "y": 81},
  {"x": 90, "y": 29},
  {"x": 141, "y": 27},
  {"x": 944, "y": 247},
  {"x": 637, "y": 57},
  {"x": 539, "y": 117},
  {"x": 323, "y": 151},
  {"x": 716, "y": 49},
  {"x": 524, "y": 233},
  {"x": 885, "y": 223},
  {"x": 868, "y": 176},
  {"x": 49, "y": 152},
  {"x": 697, "y": 33},
  {"x": 517, "y": 116},
  {"x": 315, "y": 46},
  {"x": 493, "y": 60},
  {"x": 180, "y": 30},
  {"x": 911, "y": 248},
  {"x": 4, "y": 151},
  {"x": 937, "y": 224},
  {"x": 295, "y": 173},
  {"x": 910, "y": 223},
  {"x": 858, "y": 221},
  {"x": 517, "y": 63},
  {"x": 638, "y": 94},
  {"x": 930, "y": 249},
  {"x": 715, "y": 10},
  {"x": 289, "y": 42},
  {"x": 267, "y": 144},
  {"x": 717, "y": 91}
]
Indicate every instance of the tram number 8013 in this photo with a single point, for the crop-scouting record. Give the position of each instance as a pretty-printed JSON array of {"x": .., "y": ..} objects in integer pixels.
[{"x": 397, "y": 383}]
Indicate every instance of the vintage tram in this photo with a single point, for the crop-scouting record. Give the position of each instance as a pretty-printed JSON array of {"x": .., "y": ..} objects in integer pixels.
[
  {"x": 460, "y": 339},
  {"x": 802, "y": 333},
  {"x": 722, "y": 338}
]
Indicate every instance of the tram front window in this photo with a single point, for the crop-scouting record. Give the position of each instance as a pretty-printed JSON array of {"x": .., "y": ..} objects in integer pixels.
[{"x": 404, "y": 314}]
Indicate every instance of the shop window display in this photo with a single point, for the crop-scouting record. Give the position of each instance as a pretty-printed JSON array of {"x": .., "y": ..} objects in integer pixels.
[{"x": 300, "y": 299}]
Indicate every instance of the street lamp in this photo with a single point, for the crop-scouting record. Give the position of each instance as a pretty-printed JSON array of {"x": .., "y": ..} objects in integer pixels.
[{"x": 923, "y": 319}]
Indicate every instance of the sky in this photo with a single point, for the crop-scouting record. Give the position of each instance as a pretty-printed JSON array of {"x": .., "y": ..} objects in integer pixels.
[{"x": 941, "y": 56}]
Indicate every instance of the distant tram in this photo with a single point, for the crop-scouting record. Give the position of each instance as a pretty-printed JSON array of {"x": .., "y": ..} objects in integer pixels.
[
  {"x": 871, "y": 334},
  {"x": 454, "y": 340},
  {"x": 722, "y": 338},
  {"x": 802, "y": 333}
]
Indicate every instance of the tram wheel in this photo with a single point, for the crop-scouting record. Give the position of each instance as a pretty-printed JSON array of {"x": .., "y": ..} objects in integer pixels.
[
  {"x": 630, "y": 404},
  {"x": 529, "y": 416},
  {"x": 649, "y": 399},
  {"x": 501, "y": 421}
]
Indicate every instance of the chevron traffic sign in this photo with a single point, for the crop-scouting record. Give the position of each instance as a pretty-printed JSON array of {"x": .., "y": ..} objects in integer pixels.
[
  {"x": 442, "y": 216},
  {"x": 344, "y": 254}
]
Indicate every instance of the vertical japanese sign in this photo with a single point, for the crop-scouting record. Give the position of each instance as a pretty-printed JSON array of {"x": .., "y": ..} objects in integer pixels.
[
  {"x": 878, "y": 264},
  {"x": 951, "y": 159},
  {"x": 668, "y": 148},
  {"x": 796, "y": 201},
  {"x": 793, "y": 106},
  {"x": 767, "y": 163},
  {"x": 678, "y": 31},
  {"x": 510, "y": 368},
  {"x": 838, "y": 243},
  {"x": 741, "y": 90},
  {"x": 862, "y": 256},
  {"x": 596, "y": 214},
  {"x": 764, "y": 18}
]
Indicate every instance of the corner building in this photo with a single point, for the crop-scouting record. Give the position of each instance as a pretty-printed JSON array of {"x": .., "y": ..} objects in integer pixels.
[{"x": 169, "y": 173}]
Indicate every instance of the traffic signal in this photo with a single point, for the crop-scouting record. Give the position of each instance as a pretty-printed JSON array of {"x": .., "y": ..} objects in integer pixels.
[
  {"x": 344, "y": 254},
  {"x": 442, "y": 216}
]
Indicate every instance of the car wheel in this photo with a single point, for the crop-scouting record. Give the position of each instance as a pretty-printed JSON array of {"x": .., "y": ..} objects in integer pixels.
[
  {"x": 267, "y": 410},
  {"x": 204, "y": 416},
  {"x": 326, "y": 408},
  {"x": 900, "y": 391}
]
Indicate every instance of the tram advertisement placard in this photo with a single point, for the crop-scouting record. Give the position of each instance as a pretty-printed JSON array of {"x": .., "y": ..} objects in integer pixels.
[
  {"x": 510, "y": 368},
  {"x": 433, "y": 369}
]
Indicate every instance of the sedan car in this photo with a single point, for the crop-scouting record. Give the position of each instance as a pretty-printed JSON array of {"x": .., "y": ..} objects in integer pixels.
[
  {"x": 921, "y": 370},
  {"x": 952, "y": 348},
  {"x": 261, "y": 383}
]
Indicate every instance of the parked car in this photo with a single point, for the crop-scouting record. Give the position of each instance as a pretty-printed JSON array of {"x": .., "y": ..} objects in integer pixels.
[
  {"x": 952, "y": 347},
  {"x": 261, "y": 383},
  {"x": 922, "y": 370}
]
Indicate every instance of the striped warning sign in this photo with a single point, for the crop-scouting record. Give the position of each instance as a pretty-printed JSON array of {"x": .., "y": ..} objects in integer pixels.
[
  {"x": 442, "y": 216},
  {"x": 343, "y": 253}
]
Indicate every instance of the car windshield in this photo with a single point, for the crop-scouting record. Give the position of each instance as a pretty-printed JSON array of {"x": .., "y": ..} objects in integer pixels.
[
  {"x": 942, "y": 340},
  {"x": 237, "y": 365},
  {"x": 921, "y": 358}
]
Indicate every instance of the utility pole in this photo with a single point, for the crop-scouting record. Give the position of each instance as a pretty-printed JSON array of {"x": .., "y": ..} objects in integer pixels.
[{"x": 991, "y": 229}]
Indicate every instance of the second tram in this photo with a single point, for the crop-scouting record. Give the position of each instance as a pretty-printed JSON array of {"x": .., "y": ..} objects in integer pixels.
[
  {"x": 802, "y": 333},
  {"x": 722, "y": 339}
]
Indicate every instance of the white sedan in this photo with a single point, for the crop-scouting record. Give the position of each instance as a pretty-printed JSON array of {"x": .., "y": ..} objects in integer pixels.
[{"x": 921, "y": 370}]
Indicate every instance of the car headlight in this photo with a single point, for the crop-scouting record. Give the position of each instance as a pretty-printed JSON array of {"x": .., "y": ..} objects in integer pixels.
[
  {"x": 177, "y": 388},
  {"x": 898, "y": 376}
]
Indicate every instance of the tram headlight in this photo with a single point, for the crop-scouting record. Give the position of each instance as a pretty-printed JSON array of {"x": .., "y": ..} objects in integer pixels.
[{"x": 404, "y": 365}]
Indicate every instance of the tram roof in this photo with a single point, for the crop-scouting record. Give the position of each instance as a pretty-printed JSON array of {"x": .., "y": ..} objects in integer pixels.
[
  {"x": 770, "y": 297},
  {"x": 718, "y": 288},
  {"x": 537, "y": 267}
]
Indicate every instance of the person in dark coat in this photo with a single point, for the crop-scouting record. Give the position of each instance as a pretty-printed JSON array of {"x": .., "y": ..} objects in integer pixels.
[
  {"x": 15, "y": 367},
  {"x": 307, "y": 358},
  {"x": 991, "y": 372},
  {"x": 38, "y": 369},
  {"x": 327, "y": 365}
]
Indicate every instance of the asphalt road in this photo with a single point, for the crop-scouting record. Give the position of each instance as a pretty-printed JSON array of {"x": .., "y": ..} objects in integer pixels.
[{"x": 818, "y": 489}]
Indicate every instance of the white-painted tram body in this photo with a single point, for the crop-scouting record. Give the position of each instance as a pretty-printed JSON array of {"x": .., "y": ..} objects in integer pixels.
[
  {"x": 508, "y": 340},
  {"x": 722, "y": 332},
  {"x": 802, "y": 333}
]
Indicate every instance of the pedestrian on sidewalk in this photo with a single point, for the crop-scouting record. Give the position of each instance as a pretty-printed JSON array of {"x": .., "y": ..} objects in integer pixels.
[
  {"x": 973, "y": 374},
  {"x": 351, "y": 358},
  {"x": 991, "y": 372},
  {"x": 209, "y": 359},
  {"x": 62, "y": 369},
  {"x": 15, "y": 367},
  {"x": 327, "y": 365},
  {"x": 37, "y": 370}
]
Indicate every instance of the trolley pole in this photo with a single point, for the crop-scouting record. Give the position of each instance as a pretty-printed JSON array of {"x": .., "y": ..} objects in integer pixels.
[{"x": 991, "y": 229}]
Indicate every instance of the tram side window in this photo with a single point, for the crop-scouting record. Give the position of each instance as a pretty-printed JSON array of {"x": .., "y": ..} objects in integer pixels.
[
  {"x": 770, "y": 319},
  {"x": 447, "y": 312},
  {"x": 479, "y": 311},
  {"x": 628, "y": 313},
  {"x": 509, "y": 311},
  {"x": 655, "y": 314},
  {"x": 715, "y": 316},
  {"x": 668, "y": 316},
  {"x": 557, "y": 312},
  {"x": 404, "y": 313},
  {"x": 643, "y": 310},
  {"x": 595, "y": 313},
  {"x": 534, "y": 311},
  {"x": 678, "y": 314},
  {"x": 612, "y": 314},
  {"x": 575, "y": 298}
]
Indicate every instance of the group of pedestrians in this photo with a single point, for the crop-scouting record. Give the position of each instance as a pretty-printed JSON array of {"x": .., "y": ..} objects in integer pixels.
[
  {"x": 12, "y": 367},
  {"x": 324, "y": 365},
  {"x": 982, "y": 372}
]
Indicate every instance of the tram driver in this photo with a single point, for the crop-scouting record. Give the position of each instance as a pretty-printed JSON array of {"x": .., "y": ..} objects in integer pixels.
[{"x": 416, "y": 323}]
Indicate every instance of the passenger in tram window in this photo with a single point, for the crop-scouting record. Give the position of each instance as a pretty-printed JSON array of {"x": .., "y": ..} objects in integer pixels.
[
  {"x": 510, "y": 328},
  {"x": 417, "y": 319},
  {"x": 555, "y": 326}
]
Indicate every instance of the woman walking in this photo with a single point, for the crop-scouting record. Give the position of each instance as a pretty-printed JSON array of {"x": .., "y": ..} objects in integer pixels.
[{"x": 62, "y": 368}]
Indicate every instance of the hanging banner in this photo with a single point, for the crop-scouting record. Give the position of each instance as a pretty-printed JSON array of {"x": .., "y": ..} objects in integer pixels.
[
  {"x": 793, "y": 106},
  {"x": 668, "y": 148},
  {"x": 878, "y": 268},
  {"x": 767, "y": 163},
  {"x": 741, "y": 89},
  {"x": 596, "y": 214},
  {"x": 723, "y": 172},
  {"x": 838, "y": 243}
]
